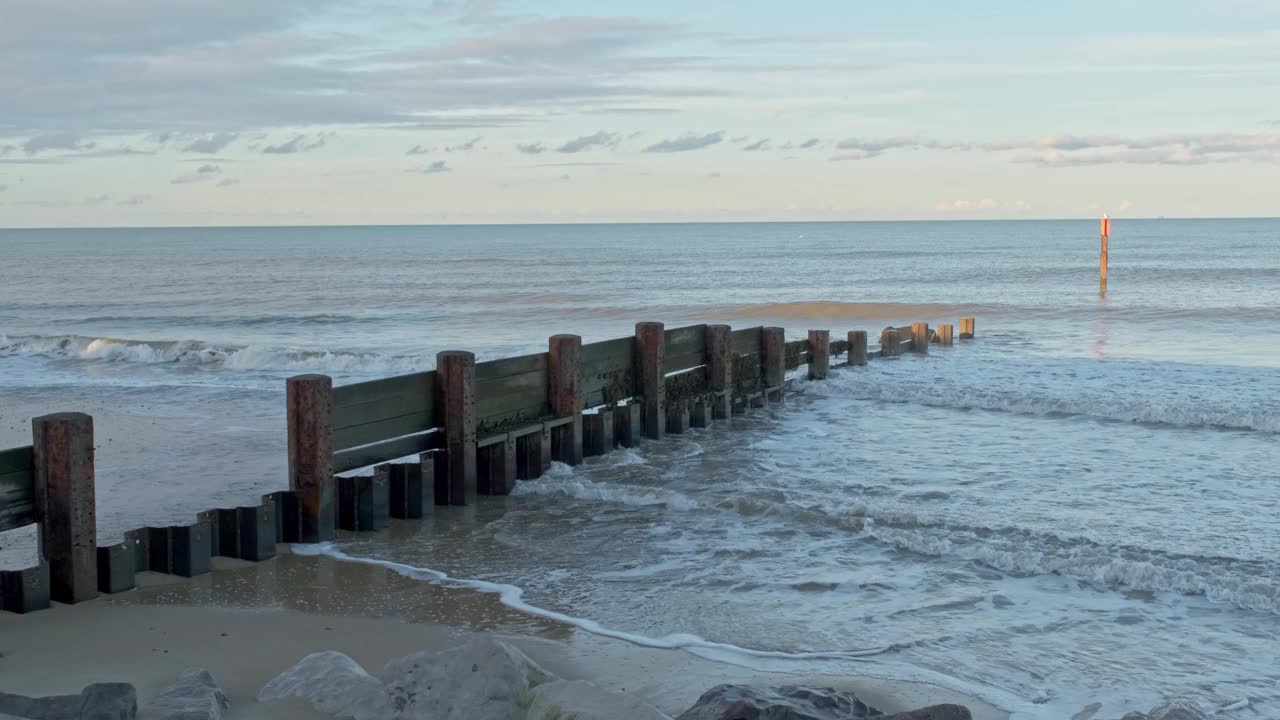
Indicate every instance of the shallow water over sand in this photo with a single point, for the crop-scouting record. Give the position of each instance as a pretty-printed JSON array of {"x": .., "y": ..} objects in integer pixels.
[{"x": 1079, "y": 506}]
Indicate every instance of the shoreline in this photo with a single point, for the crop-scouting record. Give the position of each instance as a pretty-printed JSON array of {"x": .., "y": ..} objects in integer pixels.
[{"x": 246, "y": 623}]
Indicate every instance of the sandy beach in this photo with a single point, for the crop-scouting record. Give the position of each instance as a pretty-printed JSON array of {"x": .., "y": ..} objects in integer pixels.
[{"x": 246, "y": 623}]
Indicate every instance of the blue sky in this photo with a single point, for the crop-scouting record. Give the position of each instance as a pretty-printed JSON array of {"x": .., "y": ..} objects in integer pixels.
[{"x": 182, "y": 112}]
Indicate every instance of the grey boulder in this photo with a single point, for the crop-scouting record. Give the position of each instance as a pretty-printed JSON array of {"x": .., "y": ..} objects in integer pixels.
[
  {"x": 334, "y": 684},
  {"x": 196, "y": 696},
  {"x": 100, "y": 701},
  {"x": 483, "y": 679},
  {"x": 792, "y": 702}
]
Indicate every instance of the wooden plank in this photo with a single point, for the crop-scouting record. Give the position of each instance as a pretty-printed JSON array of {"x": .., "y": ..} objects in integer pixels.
[
  {"x": 416, "y": 385},
  {"x": 384, "y": 408},
  {"x": 390, "y": 450},
  {"x": 16, "y": 459},
  {"x": 390, "y": 428},
  {"x": 524, "y": 384},
  {"x": 608, "y": 355},
  {"x": 17, "y": 499},
  {"x": 685, "y": 340},
  {"x": 520, "y": 365},
  {"x": 746, "y": 341},
  {"x": 684, "y": 361},
  {"x": 498, "y": 410}
]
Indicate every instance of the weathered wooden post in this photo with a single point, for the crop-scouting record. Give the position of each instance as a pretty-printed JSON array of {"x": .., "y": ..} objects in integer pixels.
[
  {"x": 945, "y": 334},
  {"x": 966, "y": 328},
  {"x": 819, "y": 354},
  {"x": 597, "y": 432},
  {"x": 773, "y": 341},
  {"x": 412, "y": 487},
  {"x": 63, "y": 452},
  {"x": 719, "y": 351},
  {"x": 920, "y": 337},
  {"x": 456, "y": 403},
  {"x": 857, "y": 347},
  {"x": 564, "y": 370},
  {"x": 651, "y": 348},
  {"x": 889, "y": 342},
  {"x": 310, "y": 413},
  {"x": 627, "y": 421}
]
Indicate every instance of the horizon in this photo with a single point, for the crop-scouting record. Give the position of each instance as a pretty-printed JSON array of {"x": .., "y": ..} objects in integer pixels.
[
  {"x": 251, "y": 113},
  {"x": 640, "y": 222}
]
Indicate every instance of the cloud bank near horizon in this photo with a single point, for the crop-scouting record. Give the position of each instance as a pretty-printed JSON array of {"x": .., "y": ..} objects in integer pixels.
[{"x": 329, "y": 107}]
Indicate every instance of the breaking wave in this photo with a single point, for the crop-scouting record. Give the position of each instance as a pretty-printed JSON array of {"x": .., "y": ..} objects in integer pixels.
[
  {"x": 1247, "y": 584},
  {"x": 194, "y": 352}
]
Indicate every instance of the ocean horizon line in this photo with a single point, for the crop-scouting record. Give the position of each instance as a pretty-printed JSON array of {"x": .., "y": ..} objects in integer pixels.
[{"x": 1241, "y": 218}]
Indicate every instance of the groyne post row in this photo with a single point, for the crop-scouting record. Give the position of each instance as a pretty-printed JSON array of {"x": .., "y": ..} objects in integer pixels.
[{"x": 470, "y": 429}]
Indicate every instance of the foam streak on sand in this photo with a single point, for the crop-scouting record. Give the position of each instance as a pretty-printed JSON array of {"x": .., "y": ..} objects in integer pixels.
[{"x": 760, "y": 660}]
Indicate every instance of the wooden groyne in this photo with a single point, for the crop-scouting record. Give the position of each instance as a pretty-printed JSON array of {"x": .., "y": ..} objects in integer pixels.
[{"x": 467, "y": 429}]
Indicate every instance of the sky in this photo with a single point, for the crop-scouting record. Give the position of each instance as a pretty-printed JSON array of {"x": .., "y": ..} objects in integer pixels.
[{"x": 264, "y": 112}]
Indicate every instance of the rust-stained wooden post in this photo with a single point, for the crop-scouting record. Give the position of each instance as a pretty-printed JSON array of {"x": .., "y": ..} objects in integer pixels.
[
  {"x": 889, "y": 342},
  {"x": 966, "y": 328},
  {"x": 945, "y": 334},
  {"x": 819, "y": 354},
  {"x": 857, "y": 347},
  {"x": 719, "y": 351},
  {"x": 456, "y": 404},
  {"x": 310, "y": 401},
  {"x": 773, "y": 341},
  {"x": 564, "y": 369},
  {"x": 920, "y": 337},
  {"x": 63, "y": 448},
  {"x": 651, "y": 347}
]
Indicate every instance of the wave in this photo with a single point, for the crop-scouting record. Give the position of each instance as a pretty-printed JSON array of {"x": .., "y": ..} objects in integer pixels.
[
  {"x": 197, "y": 353},
  {"x": 513, "y": 597},
  {"x": 1117, "y": 409},
  {"x": 1247, "y": 584},
  {"x": 831, "y": 310}
]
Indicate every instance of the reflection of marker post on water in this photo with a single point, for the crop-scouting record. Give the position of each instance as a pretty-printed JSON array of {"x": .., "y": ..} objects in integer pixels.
[{"x": 1106, "y": 235}]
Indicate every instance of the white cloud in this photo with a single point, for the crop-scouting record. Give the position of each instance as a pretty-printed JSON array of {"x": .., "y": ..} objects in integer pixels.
[
  {"x": 601, "y": 139},
  {"x": 212, "y": 143},
  {"x": 201, "y": 174},
  {"x": 300, "y": 143},
  {"x": 533, "y": 148},
  {"x": 439, "y": 166},
  {"x": 464, "y": 147},
  {"x": 685, "y": 143}
]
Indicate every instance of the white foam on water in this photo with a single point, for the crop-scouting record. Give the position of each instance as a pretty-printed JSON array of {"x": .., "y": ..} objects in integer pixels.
[
  {"x": 1193, "y": 397},
  {"x": 761, "y": 660},
  {"x": 558, "y": 483},
  {"x": 194, "y": 352}
]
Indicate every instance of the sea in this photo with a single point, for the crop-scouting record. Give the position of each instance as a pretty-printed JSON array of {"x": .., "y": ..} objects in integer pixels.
[{"x": 1074, "y": 515}]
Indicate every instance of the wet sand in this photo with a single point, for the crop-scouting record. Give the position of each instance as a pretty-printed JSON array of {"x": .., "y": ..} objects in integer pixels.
[{"x": 248, "y": 622}]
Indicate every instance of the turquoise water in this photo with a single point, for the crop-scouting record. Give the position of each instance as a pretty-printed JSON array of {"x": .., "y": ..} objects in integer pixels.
[{"x": 1083, "y": 505}]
